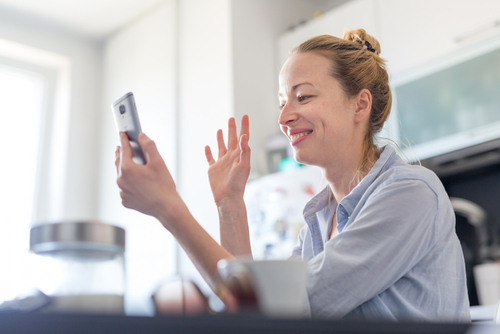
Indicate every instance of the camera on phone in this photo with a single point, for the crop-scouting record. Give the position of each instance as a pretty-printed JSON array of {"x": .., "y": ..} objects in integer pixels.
[{"x": 122, "y": 109}]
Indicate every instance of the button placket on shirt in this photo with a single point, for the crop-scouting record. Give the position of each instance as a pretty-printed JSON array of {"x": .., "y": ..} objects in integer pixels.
[{"x": 342, "y": 218}]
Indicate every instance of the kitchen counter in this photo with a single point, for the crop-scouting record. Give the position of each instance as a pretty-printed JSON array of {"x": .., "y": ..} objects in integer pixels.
[{"x": 14, "y": 323}]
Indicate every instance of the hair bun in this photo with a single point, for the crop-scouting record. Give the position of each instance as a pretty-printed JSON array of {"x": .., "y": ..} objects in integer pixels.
[{"x": 360, "y": 36}]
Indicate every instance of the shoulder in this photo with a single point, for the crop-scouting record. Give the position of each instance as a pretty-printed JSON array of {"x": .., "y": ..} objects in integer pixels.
[
  {"x": 393, "y": 185},
  {"x": 414, "y": 188},
  {"x": 417, "y": 177}
]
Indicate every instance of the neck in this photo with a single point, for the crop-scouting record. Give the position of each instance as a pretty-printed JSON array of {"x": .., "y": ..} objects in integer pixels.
[
  {"x": 343, "y": 178},
  {"x": 340, "y": 185}
]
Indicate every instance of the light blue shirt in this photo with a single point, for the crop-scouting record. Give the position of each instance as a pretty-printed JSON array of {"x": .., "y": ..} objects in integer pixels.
[{"x": 397, "y": 256}]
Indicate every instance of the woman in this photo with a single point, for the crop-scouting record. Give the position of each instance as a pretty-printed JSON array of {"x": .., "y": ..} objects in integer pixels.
[{"x": 380, "y": 239}]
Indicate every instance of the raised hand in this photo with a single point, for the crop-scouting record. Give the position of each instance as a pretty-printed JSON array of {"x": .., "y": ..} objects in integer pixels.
[{"x": 229, "y": 174}]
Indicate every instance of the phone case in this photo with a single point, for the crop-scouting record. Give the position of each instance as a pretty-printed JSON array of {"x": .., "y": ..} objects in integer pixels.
[{"x": 127, "y": 120}]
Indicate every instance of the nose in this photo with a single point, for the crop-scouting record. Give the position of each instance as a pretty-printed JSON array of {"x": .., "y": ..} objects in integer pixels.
[{"x": 287, "y": 115}]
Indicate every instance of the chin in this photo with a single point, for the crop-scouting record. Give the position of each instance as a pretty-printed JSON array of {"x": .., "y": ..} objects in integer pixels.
[
  {"x": 301, "y": 159},
  {"x": 306, "y": 159}
]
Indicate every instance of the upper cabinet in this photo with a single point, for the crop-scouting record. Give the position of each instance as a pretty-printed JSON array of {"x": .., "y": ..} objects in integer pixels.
[
  {"x": 415, "y": 32},
  {"x": 411, "y": 32}
]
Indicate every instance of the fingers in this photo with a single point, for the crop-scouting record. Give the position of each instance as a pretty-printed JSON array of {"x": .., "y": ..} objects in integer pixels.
[
  {"x": 150, "y": 148},
  {"x": 230, "y": 301},
  {"x": 232, "y": 141},
  {"x": 208, "y": 154},
  {"x": 126, "y": 149},
  {"x": 245, "y": 150},
  {"x": 117, "y": 159},
  {"x": 125, "y": 154},
  {"x": 220, "y": 144},
  {"x": 245, "y": 126}
]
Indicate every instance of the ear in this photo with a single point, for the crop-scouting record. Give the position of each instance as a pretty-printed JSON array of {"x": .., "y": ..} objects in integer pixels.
[{"x": 363, "y": 105}]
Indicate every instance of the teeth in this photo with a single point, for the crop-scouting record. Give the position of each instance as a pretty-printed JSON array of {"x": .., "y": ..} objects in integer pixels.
[{"x": 298, "y": 135}]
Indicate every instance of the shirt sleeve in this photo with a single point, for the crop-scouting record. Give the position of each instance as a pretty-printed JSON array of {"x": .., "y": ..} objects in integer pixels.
[{"x": 393, "y": 230}]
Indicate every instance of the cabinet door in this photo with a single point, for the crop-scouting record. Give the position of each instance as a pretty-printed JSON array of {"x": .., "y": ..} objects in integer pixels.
[
  {"x": 418, "y": 31},
  {"x": 352, "y": 15}
]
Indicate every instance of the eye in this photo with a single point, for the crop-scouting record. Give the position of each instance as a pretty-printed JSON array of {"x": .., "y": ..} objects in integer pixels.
[
  {"x": 282, "y": 105},
  {"x": 303, "y": 98}
]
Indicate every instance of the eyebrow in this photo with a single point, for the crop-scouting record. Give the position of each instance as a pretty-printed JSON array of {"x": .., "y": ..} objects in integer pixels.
[{"x": 297, "y": 86}]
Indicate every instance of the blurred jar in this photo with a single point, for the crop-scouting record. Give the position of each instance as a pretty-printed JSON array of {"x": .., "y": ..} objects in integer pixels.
[{"x": 81, "y": 266}]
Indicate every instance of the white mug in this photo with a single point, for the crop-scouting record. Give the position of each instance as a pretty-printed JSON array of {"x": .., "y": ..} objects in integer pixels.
[
  {"x": 279, "y": 285},
  {"x": 487, "y": 276}
]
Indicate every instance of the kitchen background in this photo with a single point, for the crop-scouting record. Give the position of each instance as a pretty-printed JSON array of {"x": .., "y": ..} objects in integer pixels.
[{"x": 192, "y": 64}]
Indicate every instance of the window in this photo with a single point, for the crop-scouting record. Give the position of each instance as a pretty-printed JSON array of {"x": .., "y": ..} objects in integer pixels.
[
  {"x": 21, "y": 95},
  {"x": 450, "y": 103},
  {"x": 33, "y": 92}
]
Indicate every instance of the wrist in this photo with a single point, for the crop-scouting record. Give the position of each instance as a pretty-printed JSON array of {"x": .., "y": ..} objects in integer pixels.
[
  {"x": 232, "y": 214},
  {"x": 233, "y": 224},
  {"x": 230, "y": 201}
]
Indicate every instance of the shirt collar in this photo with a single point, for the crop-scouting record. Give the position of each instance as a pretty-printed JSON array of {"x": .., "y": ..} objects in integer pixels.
[
  {"x": 351, "y": 200},
  {"x": 321, "y": 200},
  {"x": 317, "y": 203}
]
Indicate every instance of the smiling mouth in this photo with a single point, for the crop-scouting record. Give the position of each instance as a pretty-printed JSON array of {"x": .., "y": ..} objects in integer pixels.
[{"x": 297, "y": 136}]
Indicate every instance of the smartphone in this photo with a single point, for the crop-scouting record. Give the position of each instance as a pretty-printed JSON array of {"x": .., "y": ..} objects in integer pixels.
[{"x": 127, "y": 120}]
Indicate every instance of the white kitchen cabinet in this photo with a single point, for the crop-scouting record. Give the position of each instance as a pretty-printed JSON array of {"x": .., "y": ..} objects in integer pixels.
[
  {"x": 425, "y": 41},
  {"x": 416, "y": 32},
  {"x": 411, "y": 32},
  {"x": 351, "y": 15}
]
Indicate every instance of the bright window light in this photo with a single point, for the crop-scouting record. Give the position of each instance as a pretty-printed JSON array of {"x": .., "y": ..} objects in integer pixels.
[{"x": 21, "y": 103}]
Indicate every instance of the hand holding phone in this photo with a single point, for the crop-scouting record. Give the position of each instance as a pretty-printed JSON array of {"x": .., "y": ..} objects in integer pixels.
[{"x": 127, "y": 120}]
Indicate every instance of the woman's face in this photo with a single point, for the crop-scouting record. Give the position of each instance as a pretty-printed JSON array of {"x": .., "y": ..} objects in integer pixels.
[{"x": 316, "y": 115}]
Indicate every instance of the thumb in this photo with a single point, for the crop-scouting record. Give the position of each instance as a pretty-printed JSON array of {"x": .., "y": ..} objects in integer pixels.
[{"x": 149, "y": 147}]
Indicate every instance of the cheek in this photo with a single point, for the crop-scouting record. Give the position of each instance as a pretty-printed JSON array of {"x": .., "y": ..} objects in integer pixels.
[
  {"x": 318, "y": 111},
  {"x": 335, "y": 119},
  {"x": 326, "y": 112}
]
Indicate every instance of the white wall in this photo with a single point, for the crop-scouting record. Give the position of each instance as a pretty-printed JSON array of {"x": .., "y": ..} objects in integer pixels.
[
  {"x": 205, "y": 88},
  {"x": 177, "y": 61},
  {"x": 141, "y": 59},
  {"x": 205, "y": 97},
  {"x": 79, "y": 170}
]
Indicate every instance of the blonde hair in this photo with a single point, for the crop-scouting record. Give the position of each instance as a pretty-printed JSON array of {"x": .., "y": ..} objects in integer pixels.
[{"x": 356, "y": 65}]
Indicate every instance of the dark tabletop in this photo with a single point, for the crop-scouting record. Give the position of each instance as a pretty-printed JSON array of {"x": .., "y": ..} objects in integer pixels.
[{"x": 96, "y": 324}]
